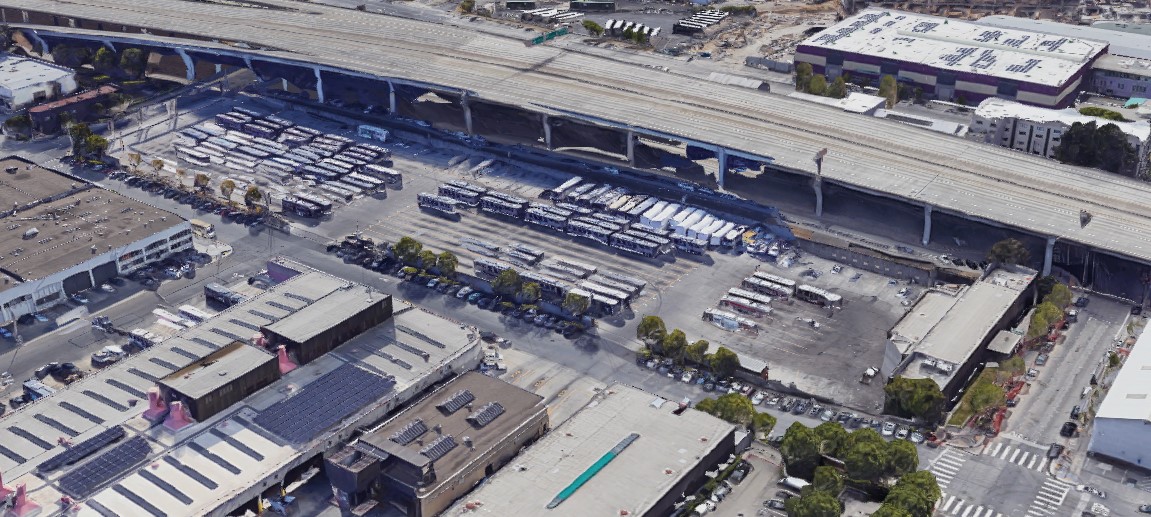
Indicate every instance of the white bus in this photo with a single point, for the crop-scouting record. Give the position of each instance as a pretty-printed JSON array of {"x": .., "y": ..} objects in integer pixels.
[
  {"x": 787, "y": 284},
  {"x": 372, "y": 133},
  {"x": 203, "y": 229},
  {"x": 193, "y": 156},
  {"x": 193, "y": 314},
  {"x": 172, "y": 318},
  {"x": 818, "y": 296}
]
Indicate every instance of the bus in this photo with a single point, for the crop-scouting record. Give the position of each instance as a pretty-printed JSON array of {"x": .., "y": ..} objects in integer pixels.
[
  {"x": 193, "y": 156},
  {"x": 322, "y": 203},
  {"x": 787, "y": 284},
  {"x": 744, "y": 306},
  {"x": 818, "y": 296},
  {"x": 439, "y": 204},
  {"x": 340, "y": 191},
  {"x": 222, "y": 295},
  {"x": 294, "y": 205},
  {"x": 193, "y": 314},
  {"x": 464, "y": 196},
  {"x": 490, "y": 268},
  {"x": 558, "y": 192},
  {"x": 203, "y": 229},
  {"x": 372, "y": 133},
  {"x": 372, "y": 183},
  {"x": 172, "y": 318},
  {"x": 750, "y": 295}
]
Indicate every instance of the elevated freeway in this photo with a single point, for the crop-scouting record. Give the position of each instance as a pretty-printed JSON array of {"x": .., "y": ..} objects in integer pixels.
[{"x": 880, "y": 157}]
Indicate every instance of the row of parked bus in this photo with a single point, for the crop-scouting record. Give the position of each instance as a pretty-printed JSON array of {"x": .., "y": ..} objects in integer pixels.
[
  {"x": 608, "y": 293},
  {"x": 770, "y": 285}
]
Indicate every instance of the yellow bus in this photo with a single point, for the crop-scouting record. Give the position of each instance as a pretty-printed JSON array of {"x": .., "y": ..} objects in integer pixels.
[{"x": 203, "y": 229}]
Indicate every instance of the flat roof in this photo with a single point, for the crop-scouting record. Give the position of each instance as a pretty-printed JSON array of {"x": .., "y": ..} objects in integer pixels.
[
  {"x": 668, "y": 447},
  {"x": 473, "y": 392},
  {"x": 17, "y": 72},
  {"x": 404, "y": 346},
  {"x": 1129, "y": 397},
  {"x": 1127, "y": 65},
  {"x": 71, "y": 217},
  {"x": 73, "y": 99},
  {"x": 994, "y": 107},
  {"x": 963, "y": 328},
  {"x": 1004, "y": 342},
  {"x": 217, "y": 369},
  {"x": 1127, "y": 44},
  {"x": 326, "y": 312},
  {"x": 925, "y": 315},
  {"x": 949, "y": 44}
]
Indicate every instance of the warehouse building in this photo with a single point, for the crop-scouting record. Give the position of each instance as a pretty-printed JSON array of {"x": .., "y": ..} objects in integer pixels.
[
  {"x": 65, "y": 235},
  {"x": 221, "y": 379},
  {"x": 944, "y": 336},
  {"x": 953, "y": 59},
  {"x": 435, "y": 451},
  {"x": 26, "y": 82},
  {"x": 1120, "y": 430},
  {"x": 627, "y": 452},
  {"x": 328, "y": 322}
]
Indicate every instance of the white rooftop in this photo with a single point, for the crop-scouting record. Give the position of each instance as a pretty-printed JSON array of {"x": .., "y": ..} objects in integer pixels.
[
  {"x": 1130, "y": 395},
  {"x": 1121, "y": 43},
  {"x": 944, "y": 43},
  {"x": 17, "y": 73},
  {"x": 924, "y": 316},
  {"x": 667, "y": 448},
  {"x": 1127, "y": 65},
  {"x": 994, "y": 108}
]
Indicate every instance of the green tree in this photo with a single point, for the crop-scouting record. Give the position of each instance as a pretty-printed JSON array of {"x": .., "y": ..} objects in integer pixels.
[
  {"x": 763, "y": 423},
  {"x": 1076, "y": 145},
  {"x": 1009, "y": 251},
  {"x": 105, "y": 61},
  {"x": 467, "y": 6},
  {"x": 803, "y": 74},
  {"x": 447, "y": 263},
  {"x": 1096, "y": 111},
  {"x": 814, "y": 503},
  {"x": 832, "y": 438},
  {"x": 253, "y": 195},
  {"x": 865, "y": 461},
  {"x": 200, "y": 181},
  {"x": 800, "y": 450},
  {"x": 675, "y": 344},
  {"x": 427, "y": 258},
  {"x": 891, "y": 510},
  {"x": 902, "y": 458},
  {"x": 227, "y": 187},
  {"x": 576, "y": 303},
  {"x": 651, "y": 329},
  {"x": 1113, "y": 152},
  {"x": 132, "y": 62},
  {"x": 1046, "y": 314},
  {"x": 732, "y": 407},
  {"x": 79, "y": 134},
  {"x": 827, "y": 479},
  {"x": 983, "y": 394},
  {"x": 407, "y": 250},
  {"x": 134, "y": 161},
  {"x": 95, "y": 145},
  {"x": 724, "y": 362},
  {"x": 529, "y": 292},
  {"x": 157, "y": 166},
  {"x": 696, "y": 353},
  {"x": 593, "y": 28},
  {"x": 916, "y": 493},
  {"x": 889, "y": 89},
  {"x": 1060, "y": 295},
  {"x": 1044, "y": 285},
  {"x": 817, "y": 85},
  {"x": 507, "y": 283},
  {"x": 71, "y": 56},
  {"x": 838, "y": 88},
  {"x": 919, "y": 398}
]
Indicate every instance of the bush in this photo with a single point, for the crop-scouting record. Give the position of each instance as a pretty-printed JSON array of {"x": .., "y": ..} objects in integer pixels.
[
  {"x": 468, "y": 6},
  {"x": 593, "y": 27},
  {"x": 1104, "y": 113}
]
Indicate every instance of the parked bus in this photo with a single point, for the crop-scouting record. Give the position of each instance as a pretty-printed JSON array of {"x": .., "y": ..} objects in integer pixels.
[
  {"x": 816, "y": 295},
  {"x": 787, "y": 284},
  {"x": 558, "y": 192},
  {"x": 376, "y": 184},
  {"x": 193, "y": 156},
  {"x": 173, "y": 319},
  {"x": 294, "y": 205},
  {"x": 342, "y": 192},
  {"x": 322, "y": 203},
  {"x": 203, "y": 229},
  {"x": 390, "y": 176},
  {"x": 191, "y": 313},
  {"x": 464, "y": 196},
  {"x": 438, "y": 204},
  {"x": 490, "y": 268},
  {"x": 220, "y": 294},
  {"x": 744, "y": 306},
  {"x": 372, "y": 133}
]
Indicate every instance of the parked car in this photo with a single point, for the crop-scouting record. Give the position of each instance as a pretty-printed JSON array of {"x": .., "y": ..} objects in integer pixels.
[
  {"x": 6, "y": 334},
  {"x": 888, "y": 429},
  {"x": 916, "y": 437},
  {"x": 1068, "y": 429},
  {"x": 464, "y": 292},
  {"x": 1091, "y": 490},
  {"x": 79, "y": 298},
  {"x": 827, "y": 415},
  {"x": 1041, "y": 360},
  {"x": 758, "y": 398},
  {"x": 775, "y": 504},
  {"x": 902, "y": 432},
  {"x": 1075, "y": 412},
  {"x": 1145, "y": 508}
]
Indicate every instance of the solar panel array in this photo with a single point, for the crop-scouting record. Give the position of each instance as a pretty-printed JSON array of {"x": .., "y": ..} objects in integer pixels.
[
  {"x": 415, "y": 429},
  {"x": 457, "y": 401},
  {"x": 985, "y": 59},
  {"x": 86, "y": 479},
  {"x": 924, "y": 27},
  {"x": 862, "y": 22},
  {"x": 1016, "y": 42},
  {"x": 959, "y": 55},
  {"x": 323, "y": 403},
  {"x": 439, "y": 447},
  {"x": 413, "y": 350},
  {"x": 986, "y": 36},
  {"x": 1025, "y": 67},
  {"x": 1052, "y": 45},
  {"x": 486, "y": 414},
  {"x": 83, "y": 449}
]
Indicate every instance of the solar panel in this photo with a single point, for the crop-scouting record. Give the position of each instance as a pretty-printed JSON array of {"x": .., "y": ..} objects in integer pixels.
[
  {"x": 161, "y": 362},
  {"x": 457, "y": 401},
  {"x": 107, "y": 401},
  {"x": 245, "y": 324},
  {"x": 410, "y": 432},
  {"x": 86, "y": 479},
  {"x": 128, "y": 389},
  {"x": 295, "y": 296},
  {"x": 185, "y": 353},
  {"x": 80, "y": 411},
  {"x": 280, "y": 306},
  {"x": 420, "y": 335},
  {"x": 21, "y": 432},
  {"x": 79, "y": 451},
  {"x": 225, "y": 333},
  {"x": 439, "y": 447},
  {"x": 486, "y": 414},
  {"x": 413, "y": 350},
  {"x": 327, "y": 400},
  {"x": 56, "y": 424},
  {"x": 205, "y": 342}
]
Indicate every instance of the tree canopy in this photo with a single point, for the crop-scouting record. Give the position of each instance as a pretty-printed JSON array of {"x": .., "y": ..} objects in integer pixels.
[
  {"x": 902, "y": 458},
  {"x": 447, "y": 263},
  {"x": 1009, "y": 251},
  {"x": 800, "y": 450},
  {"x": 803, "y": 75},
  {"x": 763, "y": 423},
  {"x": 651, "y": 329},
  {"x": 1060, "y": 295},
  {"x": 827, "y": 479},
  {"x": 838, "y": 88},
  {"x": 226, "y": 189},
  {"x": 915, "y": 494},
  {"x": 132, "y": 62},
  {"x": 1089, "y": 145},
  {"x": 732, "y": 407},
  {"x": 529, "y": 292},
  {"x": 889, "y": 89},
  {"x": 815, "y": 503},
  {"x": 1046, "y": 314},
  {"x": 696, "y": 353},
  {"x": 918, "y": 398},
  {"x": 724, "y": 362},
  {"x": 576, "y": 303},
  {"x": 832, "y": 438},
  {"x": 507, "y": 283},
  {"x": 407, "y": 250},
  {"x": 253, "y": 195},
  {"x": 427, "y": 259},
  {"x": 675, "y": 344},
  {"x": 593, "y": 28},
  {"x": 865, "y": 461},
  {"x": 817, "y": 85}
]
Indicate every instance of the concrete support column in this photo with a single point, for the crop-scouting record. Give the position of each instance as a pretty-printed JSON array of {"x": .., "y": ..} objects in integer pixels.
[
  {"x": 248, "y": 64},
  {"x": 467, "y": 113},
  {"x": 547, "y": 131},
  {"x": 927, "y": 209},
  {"x": 189, "y": 65},
  {"x": 284, "y": 84},
  {"x": 44, "y": 50},
  {"x": 817, "y": 186},
  {"x": 319, "y": 85},
  {"x": 721, "y": 157},
  {"x": 1047, "y": 255},
  {"x": 108, "y": 43},
  {"x": 631, "y": 148},
  {"x": 1086, "y": 265},
  {"x": 391, "y": 98},
  {"x": 219, "y": 68}
]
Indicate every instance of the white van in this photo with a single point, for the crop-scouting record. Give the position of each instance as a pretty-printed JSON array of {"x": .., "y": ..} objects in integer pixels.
[{"x": 795, "y": 484}]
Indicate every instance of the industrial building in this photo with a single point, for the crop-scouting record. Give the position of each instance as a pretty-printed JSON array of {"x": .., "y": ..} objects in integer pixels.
[
  {"x": 25, "y": 81},
  {"x": 945, "y": 333},
  {"x": 437, "y": 450},
  {"x": 627, "y": 452},
  {"x": 1038, "y": 130},
  {"x": 324, "y": 324},
  {"x": 104, "y": 427},
  {"x": 1120, "y": 431},
  {"x": 952, "y": 59},
  {"x": 82, "y": 107},
  {"x": 66, "y": 235}
]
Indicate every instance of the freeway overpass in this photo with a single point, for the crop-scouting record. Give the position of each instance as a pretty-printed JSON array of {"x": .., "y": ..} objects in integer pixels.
[{"x": 875, "y": 156}]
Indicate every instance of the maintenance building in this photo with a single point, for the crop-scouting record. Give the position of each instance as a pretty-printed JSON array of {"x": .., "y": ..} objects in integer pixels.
[
  {"x": 25, "y": 81},
  {"x": 65, "y": 235},
  {"x": 952, "y": 59},
  {"x": 221, "y": 379},
  {"x": 1120, "y": 430},
  {"x": 944, "y": 335},
  {"x": 437, "y": 450},
  {"x": 627, "y": 452}
]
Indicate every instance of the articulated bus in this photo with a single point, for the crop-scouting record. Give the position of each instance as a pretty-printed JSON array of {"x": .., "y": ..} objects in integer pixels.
[
  {"x": 391, "y": 177},
  {"x": 818, "y": 296},
  {"x": 490, "y": 268},
  {"x": 294, "y": 205}
]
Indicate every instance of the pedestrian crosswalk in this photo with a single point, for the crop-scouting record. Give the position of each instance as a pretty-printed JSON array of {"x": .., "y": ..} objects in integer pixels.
[
  {"x": 951, "y": 505},
  {"x": 1049, "y": 498},
  {"x": 946, "y": 466},
  {"x": 1027, "y": 459}
]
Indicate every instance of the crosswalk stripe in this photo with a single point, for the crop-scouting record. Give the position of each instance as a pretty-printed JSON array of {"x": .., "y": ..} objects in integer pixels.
[
  {"x": 1033, "y": 460},
  {"x": 995, "y": 449},
  {"x": 950, "y": 501},
  {"x": 1006, "y": 451},
  {"x": 1043, "y": 465},
  {"x": 968, "y": 511},
  {"x": 1015, "y": 455}
]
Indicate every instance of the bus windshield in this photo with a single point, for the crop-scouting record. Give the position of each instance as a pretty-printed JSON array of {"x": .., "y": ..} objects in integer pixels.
[{"x": 203, "y": 229}]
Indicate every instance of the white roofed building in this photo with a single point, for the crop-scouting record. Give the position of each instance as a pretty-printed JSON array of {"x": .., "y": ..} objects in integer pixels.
[
  {"x": 25, "y": 82},
  {"x": 1122, "y": 428}
]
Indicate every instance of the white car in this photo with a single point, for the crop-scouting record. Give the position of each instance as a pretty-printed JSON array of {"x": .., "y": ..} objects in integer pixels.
[
  {"x": 107, "y": 288},
  {"x": 888, "y": 429},
  {"x": 1091, "y": 490},
  {"x": 758, "y": 398},
  {"x": 463, "y": 293}
]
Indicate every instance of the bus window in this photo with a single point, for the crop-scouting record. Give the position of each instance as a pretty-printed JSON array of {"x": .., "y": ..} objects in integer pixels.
[{"x": 203, "y": 229}]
